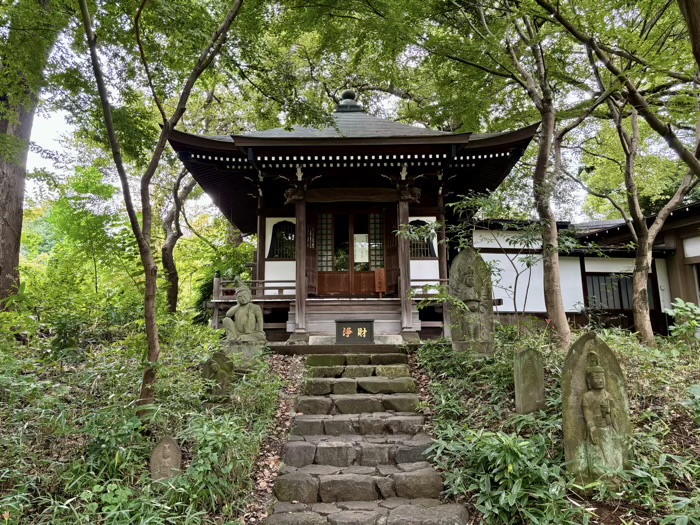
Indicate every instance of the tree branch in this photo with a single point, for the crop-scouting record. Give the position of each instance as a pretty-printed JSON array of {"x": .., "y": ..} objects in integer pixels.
[
  {"x": 109, "y": 123},
  {"x": 146, "y": 67},
  {"x": 638, "y": 101},
  {"x": 606, "y": 197}
]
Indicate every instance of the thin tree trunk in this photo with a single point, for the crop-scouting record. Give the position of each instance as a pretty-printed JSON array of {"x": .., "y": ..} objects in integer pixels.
[
  {"x": 540, "y": 92},
  {"x": 171, "y": 223},
  {"x": 645, "y": 241},
  {"x": 171, "y": 274},
  {"x": 173, "y": 233},
  {"x": 543, "y": 188},
  {"x": 142, "y": 231}
]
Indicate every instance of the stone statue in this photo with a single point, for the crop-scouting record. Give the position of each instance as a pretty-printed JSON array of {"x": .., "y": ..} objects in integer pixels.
[
  {"x": 245, "y": 339},
  {"x": 220, "y": 369},
  {"x": 166, "y": 460},
  {"x": 472, "y": 312},
  {"x": 601, "y": 417},
  {"x": 595, "y": 412},
  {"x": 244, "y": 322}
]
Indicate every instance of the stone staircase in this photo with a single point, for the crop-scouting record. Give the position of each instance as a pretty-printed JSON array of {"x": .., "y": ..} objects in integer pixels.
[{"x": 355, "y": 455}]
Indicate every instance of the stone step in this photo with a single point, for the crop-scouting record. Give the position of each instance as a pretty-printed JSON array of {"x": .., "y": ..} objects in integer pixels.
[
  {"x": 371, "y": 385},
  {"x": 393, "y": 511},
  {"x": 357, "y": 403},
  {"x": 357, "y": 371},
  {"x": 308, "y": 349},
  {"x": 331, "y": 484},
  {"x": 355, "y": 359},
  {"x": 340, "y": 424},
  {"x": 349, "y": 450}
]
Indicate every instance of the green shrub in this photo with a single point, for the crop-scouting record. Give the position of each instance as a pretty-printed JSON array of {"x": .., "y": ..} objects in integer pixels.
[
  {"x": 686, "y": 317},
  {"x": 74, "y": 451},
  {"x": 484, "y": 448},
  {"x": 694, "y": 402},
  {"x": 510, "y": 479}
]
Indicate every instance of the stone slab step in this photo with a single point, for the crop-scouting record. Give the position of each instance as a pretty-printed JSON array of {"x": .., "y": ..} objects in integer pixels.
[
  {"x": 357, "y": 403},
  {"x": 331, "y": 484},
  {"x": 371, "y": 385},
  {"x": 376, "y": 423},
  {"x": 335, "y": 349},
  {"x": 393, "y": 511},
  {"x": 356, "y": 359},
  {"x": 346, "y": 451},
  {"x": 394, "y": 370}
]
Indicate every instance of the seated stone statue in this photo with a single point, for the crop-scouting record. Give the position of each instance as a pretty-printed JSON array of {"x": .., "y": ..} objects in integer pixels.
[{"x": 244, "y": 322}]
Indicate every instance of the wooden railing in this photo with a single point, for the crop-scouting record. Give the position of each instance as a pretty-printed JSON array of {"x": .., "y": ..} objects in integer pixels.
[
  {"x": 428, "y": 293},
  {"x": 225, "y": 289},
  {"x": 421, "y": 288}
]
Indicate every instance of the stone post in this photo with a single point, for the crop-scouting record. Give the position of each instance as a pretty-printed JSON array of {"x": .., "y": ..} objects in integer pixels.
[{"x": 528, "y": 372}]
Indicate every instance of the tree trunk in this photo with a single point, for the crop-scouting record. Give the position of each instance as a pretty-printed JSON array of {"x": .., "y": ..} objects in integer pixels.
[
  {"x": 171, "y": 273},
  {"x": 12, "y": 176},
  {"x": 640, "y": 292},
  {"x": 542, "y": 187},
  {"x": 173, "y": 233},
  {"x": 22, "y": 63},
  {"x": 147, "y": 395},
  {"x": 691, "y": 13},
  {"x": 142, "y": 232}
]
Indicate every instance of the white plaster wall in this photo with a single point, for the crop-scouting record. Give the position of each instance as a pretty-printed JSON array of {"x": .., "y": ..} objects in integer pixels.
[
  {"x": 269, "y": 223},
  {"x": 664, "y": 283},
  {"x": 504, "y": 279},
  {"x": 501, "y": 240},
  {"x": 612, "y": 265},
  {"x": 691, "y": 246},
  {"x": 571, "y": 283},
  {"x": 429, "y": 220},
  {"x": 424, "y": 269},
  {"x": 282, "y": 270}
]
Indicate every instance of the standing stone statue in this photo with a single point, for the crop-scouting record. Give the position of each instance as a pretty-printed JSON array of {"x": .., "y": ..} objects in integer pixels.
[
  {"x": 595, "y": 411},
  {"x": 166, "y": 460},
  {"x": 472, "y": 312}
]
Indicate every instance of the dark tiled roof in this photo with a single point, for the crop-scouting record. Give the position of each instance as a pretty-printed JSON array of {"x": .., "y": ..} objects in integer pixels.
[
  {"x": 349, "y": 125},
  {"x": 592, "y": 226},
  {"x": 233, "y": 169}
]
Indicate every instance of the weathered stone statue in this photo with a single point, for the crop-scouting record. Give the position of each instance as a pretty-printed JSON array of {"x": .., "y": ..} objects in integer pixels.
[
  {"x": 244, "y": 322},
  {"x": 595, "y": 412},
  {"x": 220, "y": 369},
  {"x": 166, "y": 460},
  {"x": 472, "y": 313},
  {"x": 245, "y": 339}
]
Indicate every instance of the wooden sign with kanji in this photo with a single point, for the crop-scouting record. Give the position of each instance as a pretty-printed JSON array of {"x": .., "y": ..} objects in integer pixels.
[{"x": 354, "y": 332}]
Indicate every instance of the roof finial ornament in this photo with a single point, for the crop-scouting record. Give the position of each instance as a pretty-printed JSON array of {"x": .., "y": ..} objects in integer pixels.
[{"x": 348, "y": 101}]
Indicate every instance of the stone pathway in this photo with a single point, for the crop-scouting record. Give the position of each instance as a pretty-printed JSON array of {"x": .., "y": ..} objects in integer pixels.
[{"x": 355, "y": 453}]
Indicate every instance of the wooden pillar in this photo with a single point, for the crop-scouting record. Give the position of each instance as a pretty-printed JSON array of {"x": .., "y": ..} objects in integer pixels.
[
  {"x": 300, "y": 256},
  {"x": 442, "y": 261},
  {"x": 260, "y": 261},
  {"x": 405, "y": 269}
]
